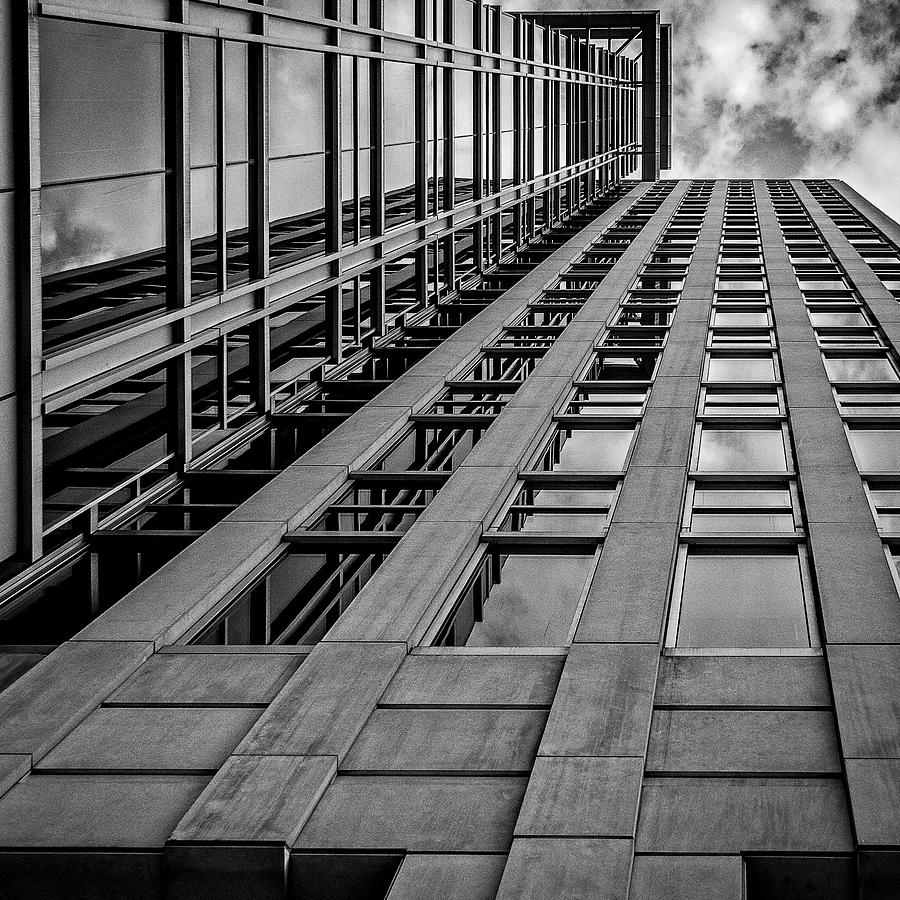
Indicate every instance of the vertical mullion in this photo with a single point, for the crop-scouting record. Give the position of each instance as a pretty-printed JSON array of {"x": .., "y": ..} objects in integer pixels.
[
  {"x": 334, "y": 338},
  {"x": 178, "y": 234},
  {"x": 260, "y": 344},
  {"x": 29, "y": 308},
  {"x": 376, "y": 177},
  {"x": 221, "y": 182}
]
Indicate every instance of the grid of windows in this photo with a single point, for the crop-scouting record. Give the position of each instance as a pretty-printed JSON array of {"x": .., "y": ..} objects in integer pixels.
[
  {"x": 859, "y": 361},
  {"x": 253, "y": 220},
  {"x": 408, "y": 473},
  {"x": 528, "y": 584},
  {"x": 880, "y": 253},
  {"x": 742, "y": 581}
]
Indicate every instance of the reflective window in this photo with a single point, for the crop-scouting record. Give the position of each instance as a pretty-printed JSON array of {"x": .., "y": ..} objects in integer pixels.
[
  {"x": 861, "y": 369},
  {"x": 588, "y": 450},
  {"x": 741, "y": 509},
  {"x": 876, "y": 449},
  {"x": 741, "y": 368},
  {"x": 559, "y": 509},
  {"x": 740, "y": 319},
  {"x": 742, "y": 600},
  {"x": 741, "y": 450},
  {"x": 719, "y": 402},
  {"x": 533, "y": 602}
]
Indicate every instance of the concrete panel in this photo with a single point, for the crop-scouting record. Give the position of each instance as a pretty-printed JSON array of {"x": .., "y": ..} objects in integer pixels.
[
  {"x": 819, "y": 438},
  {"x": 857, "y": 594},
  {"x": 866, "y": 685},
  {"x": 151, "y": 738},
  {"x": 651, "y": 494},
  {"x": 726, "y": 740},
  {"x": 258, "y": 799},
  {"x": 176, "y": 597},
  {"x": 367, "y": 431},
  {"x": 459, "y": 876},
  {"x": 102, "y": 811},
  {"x": 671, "y": 391},
  {"x": 743, "y": 681},
  {"x": 400, "y": 599},
  {"x": 446, "y": 814},
  {"x": 574, "y": 868},
  {"x": 687, "y": 877},
  {"x": 291, "y": 496},
  {"x": 542, "y": 390},
  {"x": 208, "y": 679},
  {"x": 735, "y": 815},
  {"x": 682, "y": 359},
  {"x": 473, "y": 494},
  {"x": 664, "y": 438},
  {"x": 581, "y": 796},
  {"x": 457, "y": 679},
  {"x": 835, "y": 494},
  {"x": 874, "y": 786},
  {"x": 13, "y": 766},
  {"x": 48, "y": 700},
  {"x": 603, "y": 703},
  {"x": 629, "y": 593},
  {"x": 447, "y": 740},
  {"x": 510, "y": 438},
  {"x": 325, "y": 704}
]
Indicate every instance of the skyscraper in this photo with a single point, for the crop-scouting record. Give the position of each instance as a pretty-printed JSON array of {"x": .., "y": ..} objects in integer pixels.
[{"x": 403, "y": 501}]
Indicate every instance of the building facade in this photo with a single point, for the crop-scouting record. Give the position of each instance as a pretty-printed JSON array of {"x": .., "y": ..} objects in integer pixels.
[{"x": 404, "y": 502}]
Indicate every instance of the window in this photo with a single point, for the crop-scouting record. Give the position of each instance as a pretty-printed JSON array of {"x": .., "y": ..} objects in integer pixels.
[
  {"x": 587, "y": 450},
  {"x": 724, "y": 449},
  {"x": 873, "y": 368},
  {"x": 733, "y": 402},
  {"x": 714, "y": 507},
  {"x": 559, "y": 507},
  {"x": 876, "y": 449},
  {"x": 741, "y": 368},
  {"x": 742, "y": 319},
  {"x": 740, "y": 599},
  {"x": 520, "y": 600},
  {"x": 868, "y": 402}
]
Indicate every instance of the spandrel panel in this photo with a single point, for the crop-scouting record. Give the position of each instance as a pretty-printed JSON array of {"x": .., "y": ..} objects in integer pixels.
[
  {"x": 742, "y": 600},
  {"x": 534, "y": 602}
]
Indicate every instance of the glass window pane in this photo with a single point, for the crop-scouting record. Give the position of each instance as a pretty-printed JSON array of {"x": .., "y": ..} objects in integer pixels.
[
  {"x": 741, "y": 450},
  {"x": 101, "y": 100},
  {"x": 742, "y": 600},
  {"x": 83, "y": 224},
  {"x": 593, "y": 450},
  {"x": 862, "y": 369},
  {"x": 876, "y": 450},
  {"x": 296, "y": 102},
  {"x": 734, "y": 368},
  {"x": 534, "y": 602}
]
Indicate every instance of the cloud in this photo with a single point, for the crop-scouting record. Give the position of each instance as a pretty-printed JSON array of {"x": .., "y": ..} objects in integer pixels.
[{"x": 782, "y": 88}]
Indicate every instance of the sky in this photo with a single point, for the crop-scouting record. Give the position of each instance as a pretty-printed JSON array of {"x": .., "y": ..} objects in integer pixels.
[{"x": 781, "y": 89}]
